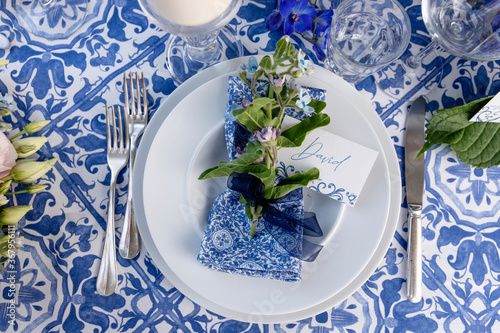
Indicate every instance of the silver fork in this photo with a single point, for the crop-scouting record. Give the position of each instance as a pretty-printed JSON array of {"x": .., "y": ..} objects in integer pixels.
[
  {"x": 117, "y": 154},
  {"x": 130, "y": 240}
]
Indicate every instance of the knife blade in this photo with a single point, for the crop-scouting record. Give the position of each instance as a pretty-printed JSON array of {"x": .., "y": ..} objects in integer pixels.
[{"x": 415, "y": 175}]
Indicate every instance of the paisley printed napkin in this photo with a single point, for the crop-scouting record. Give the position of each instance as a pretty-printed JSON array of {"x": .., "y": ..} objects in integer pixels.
[{"x": 226, "y": 245}]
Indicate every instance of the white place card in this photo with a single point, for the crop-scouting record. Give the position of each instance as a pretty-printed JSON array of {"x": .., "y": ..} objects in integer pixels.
[
  {"x": 344, "y": 165},
  {"x": 490, "y": 113}
]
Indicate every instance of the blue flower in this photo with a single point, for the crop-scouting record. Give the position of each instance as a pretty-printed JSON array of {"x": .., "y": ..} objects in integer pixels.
[
  {"x": 298, "y": 15},
  {"x": 319, "y": 46},
  {"x": 321, "y": 33},
  {"x": 306, "y": 66},
  {"x": 323, "y": 23},
  {"x": 302, "y": 102},
  {"x": 274, "y": 20},
  {"x": 230, "y": 115},
  {"x": 252, "y": 67}
]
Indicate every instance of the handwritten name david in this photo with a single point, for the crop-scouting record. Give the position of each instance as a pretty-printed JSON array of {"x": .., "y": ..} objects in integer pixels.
[
  {"x": 314, "y": 151},
  {"x": 343, "y": 165}
]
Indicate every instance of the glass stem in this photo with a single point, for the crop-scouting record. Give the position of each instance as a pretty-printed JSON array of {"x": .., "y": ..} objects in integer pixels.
[
  {"x": 46, "y": 3},
  {"x": 202, "y": 48},
  {"x": 415, "y": 61}
]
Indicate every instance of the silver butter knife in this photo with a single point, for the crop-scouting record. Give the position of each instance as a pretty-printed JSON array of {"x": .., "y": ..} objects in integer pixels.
[{"x": 414, "y": 173}]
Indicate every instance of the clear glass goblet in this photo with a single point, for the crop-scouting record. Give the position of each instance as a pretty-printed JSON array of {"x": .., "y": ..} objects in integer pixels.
[
  {"x": 468, "y": 29},
  {"x": 196, "y": 27},
  {"x": 365, "y": 36},
  {"x": 51, "y": 19}
]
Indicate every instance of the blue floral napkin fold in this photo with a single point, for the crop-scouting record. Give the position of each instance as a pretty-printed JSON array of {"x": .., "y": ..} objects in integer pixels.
[{"x": 226, "y": 245}]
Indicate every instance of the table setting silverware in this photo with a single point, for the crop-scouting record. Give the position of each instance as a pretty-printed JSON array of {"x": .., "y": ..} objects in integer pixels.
[
  {"x": 415, "y": 175},
  {"x": 137, "y": 112},
  {"x": 118, "y": 146}
]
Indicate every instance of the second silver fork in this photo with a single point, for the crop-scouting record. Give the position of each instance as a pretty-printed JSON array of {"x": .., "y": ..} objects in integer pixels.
[{"x": 130, "y": 240}]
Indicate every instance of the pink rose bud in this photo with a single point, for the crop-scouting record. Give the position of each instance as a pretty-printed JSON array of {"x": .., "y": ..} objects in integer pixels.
[{"x": 8, "y": 155}]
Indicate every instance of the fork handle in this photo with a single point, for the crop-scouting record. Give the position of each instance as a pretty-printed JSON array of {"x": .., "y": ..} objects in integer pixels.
[
  {"x": 130, "y": 241},
  {"x": 108, "y": 270}
]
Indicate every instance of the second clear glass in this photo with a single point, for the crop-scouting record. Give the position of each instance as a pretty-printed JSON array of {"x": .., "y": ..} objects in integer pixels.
[{"x": 365, "y": 36}]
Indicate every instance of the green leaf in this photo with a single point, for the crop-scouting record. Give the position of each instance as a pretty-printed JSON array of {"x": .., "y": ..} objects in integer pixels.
[
  {"x": 296, "y": 181},
  {"x": 243, "y": 76},
  {"x": 317, "y": 105},
  {"x": 266, "y": 63},
  {"x": 253, "y": 117},
  {"x": 475, "y": 143},
  {"x": 248, "y": 211},
  {"x": 268, "y": 181},
  {"x": 295, "y": 135},
  {"x": 223, "y": 169},
  {"x": 280, "y": 48},
  {"x": 242, "y": 200}
]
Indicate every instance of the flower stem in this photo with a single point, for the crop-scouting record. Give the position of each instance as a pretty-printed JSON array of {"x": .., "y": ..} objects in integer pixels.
[
  {"x": 17, "y": 135},
  {"x": 256, "y": 213},
  {"x": 254, "y": 226}
]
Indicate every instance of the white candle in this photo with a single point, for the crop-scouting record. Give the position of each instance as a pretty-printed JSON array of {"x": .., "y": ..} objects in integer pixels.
[{"x": 190, "y": 12}]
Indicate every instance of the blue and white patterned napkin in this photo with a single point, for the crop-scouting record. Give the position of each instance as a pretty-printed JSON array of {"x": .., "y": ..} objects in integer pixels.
[{"x": 226, "y": 245}]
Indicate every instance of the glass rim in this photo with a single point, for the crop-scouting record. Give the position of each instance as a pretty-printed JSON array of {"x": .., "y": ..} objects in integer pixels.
[
  {"x": 406, "y": 34},
  {"x": 188, "y": 30}
]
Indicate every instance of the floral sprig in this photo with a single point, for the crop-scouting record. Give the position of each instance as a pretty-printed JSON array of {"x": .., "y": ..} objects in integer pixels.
[
  {"x": 15, "y": 168},
  {"x": 305, "y": 18},
  {"x": 263, "y": 117}
]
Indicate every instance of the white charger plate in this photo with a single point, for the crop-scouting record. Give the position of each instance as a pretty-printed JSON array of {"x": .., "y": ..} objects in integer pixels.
[{"x": 186, "y": 136}]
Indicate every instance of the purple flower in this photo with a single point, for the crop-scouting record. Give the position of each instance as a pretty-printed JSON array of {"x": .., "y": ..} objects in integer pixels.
[
  {"x": 276, "y": 133},
  {"x": 293, "y": 85},
  {"x": 245, "y": 103},
  {"x": 266, "y": 134},
  {"x": 277, "y": 81},
  {"x": 239, "y": 152},
  {"x": 298, "y": 15}
]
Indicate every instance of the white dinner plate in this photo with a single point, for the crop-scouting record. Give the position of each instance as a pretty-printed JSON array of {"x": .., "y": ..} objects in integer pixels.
[{"x": 185, "y": 137}]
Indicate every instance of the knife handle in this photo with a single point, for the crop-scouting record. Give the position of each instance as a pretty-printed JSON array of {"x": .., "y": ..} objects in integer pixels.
[{"x": 414, "y": 279}]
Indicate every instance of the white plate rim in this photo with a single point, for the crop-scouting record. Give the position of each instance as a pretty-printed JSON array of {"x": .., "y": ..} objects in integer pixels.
[{"x": 391, "y": 160}]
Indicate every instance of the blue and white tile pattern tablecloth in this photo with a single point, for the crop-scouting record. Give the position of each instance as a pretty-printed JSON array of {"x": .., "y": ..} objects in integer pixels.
[{"x": 69, "y": 81}]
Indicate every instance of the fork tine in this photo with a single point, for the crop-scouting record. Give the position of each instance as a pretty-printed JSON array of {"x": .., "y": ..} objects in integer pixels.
[
  {"x": 126, "y": 117},
  {"x": 132, "y": 96},
  {"x": 114, "y": 137},
  {"x": 138, "y": 91},
  {"x": 144, "y": 99},
  {"x": 108, "y": 132},
  {"x": 125, "y": 92},
  {"x": 120, "y": 129}
]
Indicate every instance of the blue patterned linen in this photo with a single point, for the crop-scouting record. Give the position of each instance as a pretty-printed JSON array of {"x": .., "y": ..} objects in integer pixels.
[
  {"x": 70, "y": 80},
  {"x": 490, "y": 112},
  {"x": 226, "y": 245}
]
